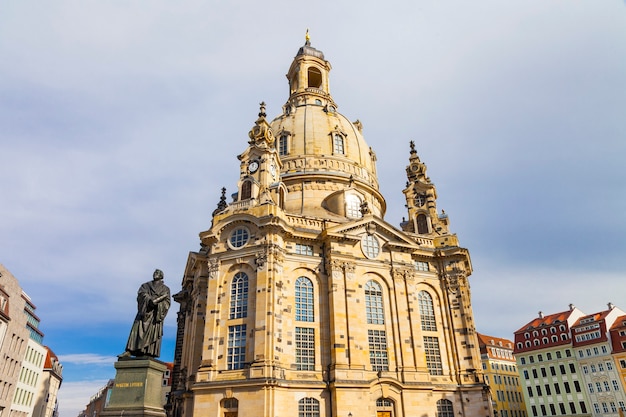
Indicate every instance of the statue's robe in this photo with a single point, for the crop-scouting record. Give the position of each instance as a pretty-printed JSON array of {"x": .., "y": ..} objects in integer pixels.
[{"x": 153, "y": 301}]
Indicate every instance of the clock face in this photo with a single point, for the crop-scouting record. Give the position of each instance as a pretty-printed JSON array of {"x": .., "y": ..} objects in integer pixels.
[{"x": 253, "y": 166}]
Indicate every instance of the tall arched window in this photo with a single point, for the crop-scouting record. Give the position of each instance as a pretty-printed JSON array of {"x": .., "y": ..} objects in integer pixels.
[
  {"x": 422, "y": 224},
  {"x": 374, "y": 303},
  {"x": 304, "y": 300},
  {"x": 444, "y": 408},
  {"x": 239, "y": 296},
  {"x": 308, "y": 407},
  {"x": 427, "y": 311},
  {"x": 246, "y": 190}
]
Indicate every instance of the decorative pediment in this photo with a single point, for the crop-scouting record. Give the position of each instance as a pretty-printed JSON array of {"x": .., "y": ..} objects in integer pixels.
[{"x": 372, "y": 225}]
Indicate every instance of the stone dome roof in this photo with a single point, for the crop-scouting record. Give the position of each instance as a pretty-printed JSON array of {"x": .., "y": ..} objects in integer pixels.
[{"x": 318, "y": 144}]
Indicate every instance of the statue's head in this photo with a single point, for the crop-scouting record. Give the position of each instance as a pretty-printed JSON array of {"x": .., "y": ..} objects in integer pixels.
[{"x": 158, "y": 275}]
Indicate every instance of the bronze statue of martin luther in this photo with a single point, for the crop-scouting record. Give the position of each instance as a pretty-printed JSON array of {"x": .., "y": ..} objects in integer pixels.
[{"x": 153, "y": 301}]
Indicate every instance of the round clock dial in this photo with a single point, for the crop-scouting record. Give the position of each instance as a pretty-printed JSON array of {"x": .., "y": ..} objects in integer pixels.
[{"x": 253, "y": 166}]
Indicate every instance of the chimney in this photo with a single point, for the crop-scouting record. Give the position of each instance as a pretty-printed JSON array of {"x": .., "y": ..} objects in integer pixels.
[
  {"x": 611, "y": 305},
  {"x": 571, "y": 307},
  {"x": 541, "y": 314}
]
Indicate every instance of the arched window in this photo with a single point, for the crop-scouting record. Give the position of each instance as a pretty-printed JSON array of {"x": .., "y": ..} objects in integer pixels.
[
  {"x": 427, "y": 311},
  {"x": 422, "y": 224},
  {"x": 536, "y": 342},
  {"x": 528, "y": 343},
  {"x": 338, "y": 144},
  {"x": 545, "y": 340},
  {"x": 283, "y": 145},
  {"x": 353, "y": 206},
  {"x": 230, "y": 405},
  {"x": 308, "y": 407},
  {"x": 304, "y": 300},
  {"x": 315, "y": 77},
  {"x": 374, "y": 303},
  {"x": 383, "y": 402},
  {"x": 444, "y": 408},
  {"x": 246, "y": 190},
  {"x": 239, "y": 296}
]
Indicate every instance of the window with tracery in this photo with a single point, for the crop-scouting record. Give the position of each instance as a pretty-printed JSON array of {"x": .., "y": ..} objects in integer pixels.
[
  {"x": 304, "y": 300},
  {"x": 308, "y": 407},
  {"x": 427, "y": 311},
  {"x": 239, "y": 296},
  {"x": 444, "y": 408},
  {"x": 374, "y": 303}
]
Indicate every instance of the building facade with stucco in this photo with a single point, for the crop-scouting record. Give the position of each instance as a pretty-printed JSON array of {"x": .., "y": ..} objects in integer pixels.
[{"x": 303, "y": 300}]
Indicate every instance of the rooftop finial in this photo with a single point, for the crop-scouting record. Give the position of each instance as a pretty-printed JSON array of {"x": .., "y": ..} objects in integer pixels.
[
  {"x": 262, "y": 109},
  {"x": 412, "y": 144},
  {"x": 307, "y": 38}
]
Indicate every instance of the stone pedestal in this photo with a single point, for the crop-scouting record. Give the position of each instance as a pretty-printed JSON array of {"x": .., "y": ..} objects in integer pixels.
[{"x": 137, "y": 390}]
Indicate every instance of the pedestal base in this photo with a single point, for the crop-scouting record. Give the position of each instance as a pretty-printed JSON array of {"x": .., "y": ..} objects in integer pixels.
[{"x": 137, "y": 389}]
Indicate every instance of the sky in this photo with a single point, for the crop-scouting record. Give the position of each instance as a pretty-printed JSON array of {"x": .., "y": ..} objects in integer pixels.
[{"x": 121, "y": 121}]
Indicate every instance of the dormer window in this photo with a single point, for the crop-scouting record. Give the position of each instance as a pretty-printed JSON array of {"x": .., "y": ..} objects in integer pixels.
[
  {"x": 283, "y": 144},
  {"x": 338, "y": 144},
  {"x": 353, "y": 206}
]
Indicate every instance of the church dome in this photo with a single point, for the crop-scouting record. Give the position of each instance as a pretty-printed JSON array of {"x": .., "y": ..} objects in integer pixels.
[{"x": 325, "y": 159}]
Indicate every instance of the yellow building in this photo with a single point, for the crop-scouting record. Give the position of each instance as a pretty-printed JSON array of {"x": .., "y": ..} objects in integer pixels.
[
  {"x": 303, "y": 299},
  {"x": 502, "y": 376}
]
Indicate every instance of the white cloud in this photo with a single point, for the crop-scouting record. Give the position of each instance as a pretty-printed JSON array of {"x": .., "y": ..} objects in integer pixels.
[
  {"x": 87, "y": 359},
  {"x": 75, "y": 395}
]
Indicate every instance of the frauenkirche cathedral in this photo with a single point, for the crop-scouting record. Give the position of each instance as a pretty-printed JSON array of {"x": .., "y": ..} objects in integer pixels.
[{"x": 303, "y": 301}]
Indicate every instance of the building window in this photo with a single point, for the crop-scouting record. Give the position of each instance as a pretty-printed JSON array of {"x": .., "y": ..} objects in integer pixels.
[
  {"x": 283, "y": 145},
  {"x": 422, "y": 266},
  {"x": 377, "y": 340},
  {"x": 370, "y": 246},
  {"x": 374, "y": 303},
  {"x": 444, "y": 408},
  {"x": 422, "y": 224},
  {"x": 239, "y": 237},
  {"x": 230, "y": 405},
  {"x": 615, "y": 385},
  {"x": 305, "y": 349},
  {"x": 304, "y": 300},
  {"x": 236, "y": 356},
  {"x": 433, "y": 355},
  {"x": 308, "y": 407},
  {"x": 609, "y": 366},
  {"x": 338, "y": 145},
  {"x": 353, "y": 206},
  {"x": 239, "y": 296},
  {"x": 304, "y": 249},
  {"x": 427, "y": 311},
  {"x": 246, "y": 190}
]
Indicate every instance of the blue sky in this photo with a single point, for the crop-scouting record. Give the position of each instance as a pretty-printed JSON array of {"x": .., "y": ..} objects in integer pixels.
[{"x": 120, "y": 122}]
